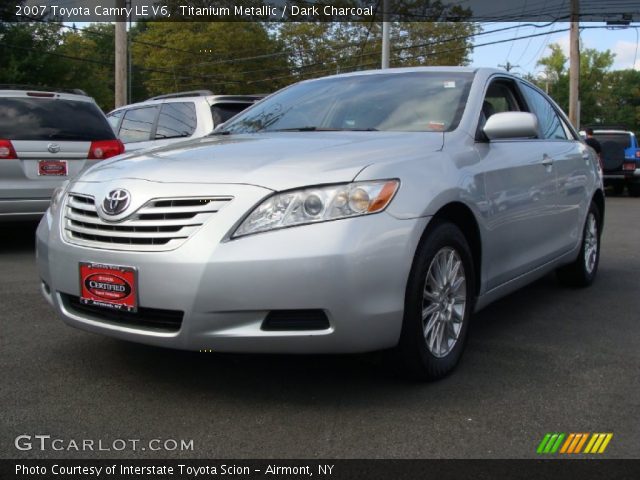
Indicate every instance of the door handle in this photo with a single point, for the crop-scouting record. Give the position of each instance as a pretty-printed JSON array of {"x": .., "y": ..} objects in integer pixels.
[{"x": 547, "y": 161}]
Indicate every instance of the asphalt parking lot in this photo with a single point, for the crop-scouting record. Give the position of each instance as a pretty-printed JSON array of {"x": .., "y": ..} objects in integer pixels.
[{"x": 545, "y": 359}]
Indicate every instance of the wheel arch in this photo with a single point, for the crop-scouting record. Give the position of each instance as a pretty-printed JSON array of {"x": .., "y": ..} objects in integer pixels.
[
  {"x": 598, "y": 199},
  {"x": 462, "y": 216}
]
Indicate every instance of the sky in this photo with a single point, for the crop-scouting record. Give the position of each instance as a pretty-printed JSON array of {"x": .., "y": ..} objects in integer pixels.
[{"x": 527, "y": 52}]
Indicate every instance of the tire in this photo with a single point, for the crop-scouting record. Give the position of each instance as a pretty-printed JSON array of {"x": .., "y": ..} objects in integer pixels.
[
  {"x": 634, "y": 189},
  {"x": 448, "y": 309},
  {"x": 582, "y": 271}
]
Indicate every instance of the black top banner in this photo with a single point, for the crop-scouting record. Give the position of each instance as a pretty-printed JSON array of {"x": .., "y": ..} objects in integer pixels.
[{"x": 615, "y": 11}]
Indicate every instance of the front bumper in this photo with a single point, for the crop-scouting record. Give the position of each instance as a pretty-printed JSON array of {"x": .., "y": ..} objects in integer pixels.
[{"x": 354, "y": 270}]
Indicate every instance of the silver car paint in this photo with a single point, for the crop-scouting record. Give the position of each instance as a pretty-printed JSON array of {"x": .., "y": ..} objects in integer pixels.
[
  {"x": 528, "y": 197},
  {"x": 25, "y": 195}
]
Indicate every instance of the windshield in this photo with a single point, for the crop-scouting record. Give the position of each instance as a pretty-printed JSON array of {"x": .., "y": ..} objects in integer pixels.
[{"x": 404, "y": 102}]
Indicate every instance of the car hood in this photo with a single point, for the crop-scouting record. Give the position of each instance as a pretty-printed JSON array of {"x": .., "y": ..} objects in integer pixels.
[{"x": 278, "y": 161}]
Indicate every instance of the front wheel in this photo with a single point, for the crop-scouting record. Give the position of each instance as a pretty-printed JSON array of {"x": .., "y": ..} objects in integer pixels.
[
  {"x": 582, "y": 271},
  {"x": 438, "y": 304}
]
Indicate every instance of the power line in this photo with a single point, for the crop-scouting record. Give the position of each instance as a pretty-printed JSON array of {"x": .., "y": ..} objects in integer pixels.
[{"x": 417, "y": 56}]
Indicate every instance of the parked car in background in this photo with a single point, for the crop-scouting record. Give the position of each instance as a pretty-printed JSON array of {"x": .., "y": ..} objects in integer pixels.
[
  {"x": 175, "y": 117},
  {"x": 620, "y": 159},
  {"x": 46, "y": 137},
  {"x": 364, "y": 211}
]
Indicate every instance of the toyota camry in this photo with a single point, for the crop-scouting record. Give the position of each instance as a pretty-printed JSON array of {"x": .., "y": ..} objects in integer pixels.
[{"x": 358, "y": 212}]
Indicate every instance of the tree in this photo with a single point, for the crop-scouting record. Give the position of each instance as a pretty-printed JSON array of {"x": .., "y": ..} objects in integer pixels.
[
  {"x": 324, "y": 48},
  {"x": 28, "y": 53},
  {"x": 94, "y": 71},
  {"x": 622, "y": 105},
  {"x": 221, "y": 56},
  {"x": 606, "y": 97}
]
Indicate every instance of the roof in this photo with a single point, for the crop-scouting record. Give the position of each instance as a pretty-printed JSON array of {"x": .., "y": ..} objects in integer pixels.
[{"x": 182, "y": 96}]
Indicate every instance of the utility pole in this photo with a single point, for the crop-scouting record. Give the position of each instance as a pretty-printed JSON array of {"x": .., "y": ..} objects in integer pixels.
[
  {"x": 121, "y": 57},
  {"x": 509, "y": 66},
  {"x": 574, "y": 65},
  {"x": 385, "y": 34},
  {"x": 129, "y": 62}
]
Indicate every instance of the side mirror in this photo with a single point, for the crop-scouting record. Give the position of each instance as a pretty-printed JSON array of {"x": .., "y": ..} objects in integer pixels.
[{"x": 511, "y": 125}]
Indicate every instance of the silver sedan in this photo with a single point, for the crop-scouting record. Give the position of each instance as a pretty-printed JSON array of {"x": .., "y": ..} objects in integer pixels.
[{"x": 358, "y": 212}]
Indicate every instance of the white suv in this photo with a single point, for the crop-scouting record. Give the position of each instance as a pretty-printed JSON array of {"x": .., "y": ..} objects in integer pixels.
[{"x": 174, "y": 117}]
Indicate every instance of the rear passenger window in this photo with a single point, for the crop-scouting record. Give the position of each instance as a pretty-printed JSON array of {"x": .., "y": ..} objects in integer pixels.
[
  {"x": 177, "y": 119},
  {"x": 550, "y": 125},
  {"x": 137, "y": 124}
]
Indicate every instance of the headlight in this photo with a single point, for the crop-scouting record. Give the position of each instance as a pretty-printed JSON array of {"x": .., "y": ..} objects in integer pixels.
[
  {"x": 312, "y": 205},
  {"x": 57, "y": 196}
]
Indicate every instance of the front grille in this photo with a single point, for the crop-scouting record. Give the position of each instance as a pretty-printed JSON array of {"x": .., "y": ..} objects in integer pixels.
[
  {"x": 295, "y": 320},
  {"x": 160, "y": 224},
  {"x": 147, "y": 318}
]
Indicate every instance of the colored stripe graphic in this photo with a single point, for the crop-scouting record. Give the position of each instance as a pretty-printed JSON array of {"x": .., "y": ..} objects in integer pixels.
[
  {"x": 573, "y": 443},
  {"x": 550, "y": 443},
  {"x": 543, "y": 443},
  {"x": 598, "y": 442},
  {"x": 567, "y": 443}
]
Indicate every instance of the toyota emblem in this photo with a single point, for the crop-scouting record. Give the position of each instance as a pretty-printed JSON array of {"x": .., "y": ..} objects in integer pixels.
[
  {"x": 116, "y": 201},
  {"x": 53, "y": 147}
]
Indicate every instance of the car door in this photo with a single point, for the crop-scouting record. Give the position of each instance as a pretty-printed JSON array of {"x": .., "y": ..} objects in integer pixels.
[
  {"x": 521, "y": 192},
  {"x": 573, "y": 167}
]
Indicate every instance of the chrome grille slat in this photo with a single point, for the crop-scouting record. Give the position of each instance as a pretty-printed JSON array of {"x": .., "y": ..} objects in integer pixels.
[
  {"x": 82, "y": 206},
  {"x": 212, "y": 207},
  {"x": 183, "y": 233},
  {"x": 160, "y": 224},
  {"x": 197, "y": 220}
]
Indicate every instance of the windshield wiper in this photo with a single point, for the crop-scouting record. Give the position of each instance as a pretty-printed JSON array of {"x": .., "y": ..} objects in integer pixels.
[
  {"x": 296, "y": 129},
  {"x": 221, "y": 132},
  {"x": 321, "y": 129}
]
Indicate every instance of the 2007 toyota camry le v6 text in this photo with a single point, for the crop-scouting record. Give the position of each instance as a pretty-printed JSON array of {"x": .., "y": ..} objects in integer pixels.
[{"x": 358, "y": 212}]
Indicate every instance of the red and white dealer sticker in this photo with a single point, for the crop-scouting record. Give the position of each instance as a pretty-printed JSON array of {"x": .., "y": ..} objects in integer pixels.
[
  {"x": 55, "y": 168},
  {"x": 109, "y": 286}
]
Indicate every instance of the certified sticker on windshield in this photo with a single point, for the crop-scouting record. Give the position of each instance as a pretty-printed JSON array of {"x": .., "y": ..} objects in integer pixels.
[
  {"x": 450, "y": 84},
  {"x": 108, "y": 286}
]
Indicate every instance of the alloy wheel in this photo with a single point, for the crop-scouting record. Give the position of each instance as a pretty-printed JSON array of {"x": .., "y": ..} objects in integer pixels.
[
  {"x": 444, "y": 302},
  {"x": 591, "y": 243}
]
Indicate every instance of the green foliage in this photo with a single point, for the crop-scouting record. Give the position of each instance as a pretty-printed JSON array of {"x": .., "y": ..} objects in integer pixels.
[
  {"x": 220, "y": 56},
  {"x": 322, "y": 48},
  {"x": 26, "y": 51},
  {"x": 606, "y": 97},
  {"x": 231, "y": 58}
]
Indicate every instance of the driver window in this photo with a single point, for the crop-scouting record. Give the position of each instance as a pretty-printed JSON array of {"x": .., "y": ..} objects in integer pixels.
[{"x": 500, "y": 97}]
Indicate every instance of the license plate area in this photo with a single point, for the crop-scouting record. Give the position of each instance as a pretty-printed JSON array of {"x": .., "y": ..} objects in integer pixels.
[
  {"x": 52, "y": 168},
  {"x": 112, "y": 287}
]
